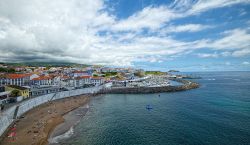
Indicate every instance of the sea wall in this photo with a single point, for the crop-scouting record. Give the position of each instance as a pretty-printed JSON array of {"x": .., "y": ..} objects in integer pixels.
[
  {"x": 187, "y": 85},
  {"x": 8, "y": 116}
]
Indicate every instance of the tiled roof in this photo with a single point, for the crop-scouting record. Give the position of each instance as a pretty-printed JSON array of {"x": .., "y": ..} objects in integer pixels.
[
  {"x": 85, "y": 77},
  {"x": 97, "y": 78},
  {"x": 42, "y": 78},
  {"x": 17, "y": 76}
]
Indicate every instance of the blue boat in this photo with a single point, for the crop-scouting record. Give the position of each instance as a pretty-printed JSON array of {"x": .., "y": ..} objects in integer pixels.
[{"x": 149, "y": 107}]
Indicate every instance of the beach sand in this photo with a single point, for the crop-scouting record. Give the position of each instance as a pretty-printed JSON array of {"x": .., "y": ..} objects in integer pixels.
[
  {"x": 66, "y": 129},
  {"x": 35, "y": 127}
]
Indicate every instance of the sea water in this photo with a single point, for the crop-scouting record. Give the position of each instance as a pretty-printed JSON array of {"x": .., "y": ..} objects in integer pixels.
[{"x": 217, "y": 113}]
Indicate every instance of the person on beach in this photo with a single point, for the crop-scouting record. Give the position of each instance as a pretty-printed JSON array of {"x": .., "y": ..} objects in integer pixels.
[{"x": 12, "y": 135}]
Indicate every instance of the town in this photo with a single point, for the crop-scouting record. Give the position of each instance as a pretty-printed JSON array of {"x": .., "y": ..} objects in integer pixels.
[{"x": 18, "y": 83}]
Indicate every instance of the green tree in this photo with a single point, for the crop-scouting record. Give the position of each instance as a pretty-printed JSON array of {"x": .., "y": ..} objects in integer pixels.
[{"x": 15, "y": 93}]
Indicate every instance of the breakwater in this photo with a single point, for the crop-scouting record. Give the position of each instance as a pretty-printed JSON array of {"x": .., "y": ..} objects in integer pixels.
[{"x": 187, "y": 85}]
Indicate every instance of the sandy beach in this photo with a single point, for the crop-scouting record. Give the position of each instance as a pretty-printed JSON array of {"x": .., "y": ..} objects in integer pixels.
[{"x": 35, "y": 126}]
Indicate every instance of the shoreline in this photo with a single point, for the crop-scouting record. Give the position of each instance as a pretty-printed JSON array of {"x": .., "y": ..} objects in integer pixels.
[
  {"x": 65, "y": 130},
  {"x": 36, "y": 125},
  {"x": 40, "y": 124}
]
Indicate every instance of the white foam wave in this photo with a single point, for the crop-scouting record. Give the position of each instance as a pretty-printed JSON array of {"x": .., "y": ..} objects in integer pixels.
[
  {"x": 212, "y": 79},
  {"x": 66, "y": 135}
]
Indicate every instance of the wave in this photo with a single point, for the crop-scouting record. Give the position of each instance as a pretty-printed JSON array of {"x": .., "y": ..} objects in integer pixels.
[
  {"x": 66, "y": 135},
  {"x": 211, "y": 79},
  {"x": 78, "y": 114}
]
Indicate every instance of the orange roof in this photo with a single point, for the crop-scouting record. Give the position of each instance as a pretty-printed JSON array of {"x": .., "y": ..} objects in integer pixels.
[
  {"x": 85, "y": 77},
  {"x": 65, "y": 77},
  {"x": 97, "y": 78},
  {"x": 42, "y": 78},
  {"x": 17, "y": 76}
]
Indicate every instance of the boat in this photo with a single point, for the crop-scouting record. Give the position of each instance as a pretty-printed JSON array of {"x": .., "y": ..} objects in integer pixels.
[{"x": 149, "y": 107}]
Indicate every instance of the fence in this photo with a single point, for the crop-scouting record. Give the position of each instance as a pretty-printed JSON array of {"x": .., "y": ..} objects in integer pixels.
[{"x": 7, "y": 117}]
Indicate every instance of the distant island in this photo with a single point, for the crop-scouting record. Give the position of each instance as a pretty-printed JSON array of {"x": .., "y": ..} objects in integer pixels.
[{"x": 173, "y": 71}]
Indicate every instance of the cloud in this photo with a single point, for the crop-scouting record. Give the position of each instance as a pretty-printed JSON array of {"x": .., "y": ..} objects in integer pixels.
[
  {"x": 228, "y": 63},
  {"x": 233, "y": 39},
  {"x": 150, "y": 17},
  {"x": 85, "y": 32},
  {"x": 233, "y": 43},
  {"x": 186, "y": 28},
  {"x": 205, "y": 5},
  {"x": 245, "y": 63},
  {"x": 207, "y": 55},
  {"x": 240, "y": 53},
  {"x": 156, "y": 17}
]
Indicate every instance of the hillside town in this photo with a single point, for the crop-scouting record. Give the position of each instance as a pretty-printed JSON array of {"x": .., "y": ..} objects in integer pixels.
[
  {"x": 18, "y": 83},
  {"x": 21, "y": 82}
]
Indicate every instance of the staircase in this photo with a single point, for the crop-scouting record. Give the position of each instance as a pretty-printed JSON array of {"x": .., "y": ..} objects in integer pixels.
[
  {"x": 15, "y": 113},
  {"x": 52, "y": 97}
]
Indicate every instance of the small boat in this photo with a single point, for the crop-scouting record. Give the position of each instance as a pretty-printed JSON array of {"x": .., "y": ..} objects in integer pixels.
[{"x": 148, "y": 107}]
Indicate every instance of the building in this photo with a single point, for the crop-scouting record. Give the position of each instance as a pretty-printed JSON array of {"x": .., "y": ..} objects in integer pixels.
[
  {"x": 37, "y": 91},
  {"x": 80, "y": 73},
  {"x": 97, "y": 80},
  {"x": 82, "y": 81},
  {"x": 86, "y": 79},
  {"x": 24, "y": 92},
  {"x": 42, "y": 80},
  {"x": 56, "y": 80},
  {"x": 17, "y": 79},
  {"x": 64, "y": 81}
]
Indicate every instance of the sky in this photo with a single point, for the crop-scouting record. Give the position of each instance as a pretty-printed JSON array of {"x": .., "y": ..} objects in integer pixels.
[{"x": 187, "y": 35}]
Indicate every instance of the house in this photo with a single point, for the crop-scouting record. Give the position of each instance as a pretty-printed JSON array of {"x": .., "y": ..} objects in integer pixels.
[
  {"x": 86, "y": 79},
  {"x": 97, "y": 80},
  {"x": 24, "y": 92},
  {"x": 129, "y": 76},
  {"x": 42, "y": 80},
  {"x": 18, "y": 79},
  {"x": 64, "y": 81},
  {"x": 82, "y": 81},
  {"x": 43, "y": 90},
  {"x": 56, "y": 79},
  {"x": 34, "y": 76},
  {"x": 80, "y": 73}
]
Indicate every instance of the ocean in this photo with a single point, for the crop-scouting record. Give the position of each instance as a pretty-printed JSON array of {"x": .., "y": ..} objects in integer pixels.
[{"x": 217, "y": 113}]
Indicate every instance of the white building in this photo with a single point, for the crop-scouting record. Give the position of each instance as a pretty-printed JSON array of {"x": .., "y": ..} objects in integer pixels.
[{"x": 97, "y": 80}]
